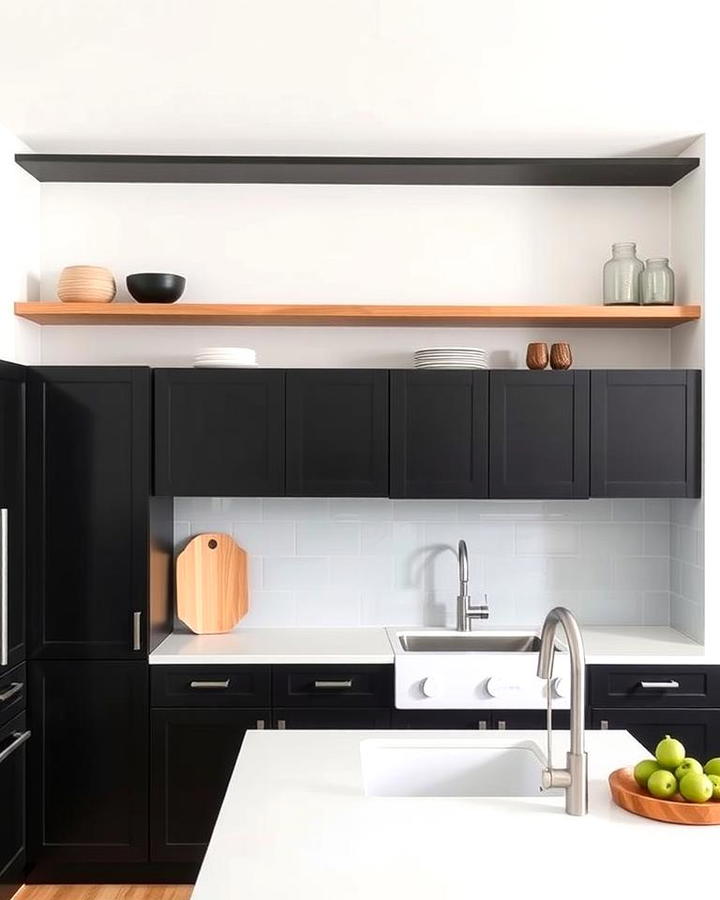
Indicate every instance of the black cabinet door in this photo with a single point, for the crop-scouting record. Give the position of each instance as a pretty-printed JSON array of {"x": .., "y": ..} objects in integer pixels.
[
  {"x": 439, "y": 434},
  {"x": 89, "y": 440},
  {"x": 470, "y": 719},
  {"x": 12, "y": 514},
  {"x": 219, "y": 433},
  {"x": 192, "y": 758},
  {"x": 645, "y": 433},
  {"x": 337, "y": 433},
  {"x": 89, "y": 761},
  {"x": 539, "y": 424},
  {"x": 331, "y": 718},
  {"x": 698, "y": 729},
  {"x": 528, "y": 719},
  {"x": 13, "y": 737}
]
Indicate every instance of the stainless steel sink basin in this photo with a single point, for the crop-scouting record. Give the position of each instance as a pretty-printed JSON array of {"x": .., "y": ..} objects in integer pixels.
[{"x": 469, "y": 643}]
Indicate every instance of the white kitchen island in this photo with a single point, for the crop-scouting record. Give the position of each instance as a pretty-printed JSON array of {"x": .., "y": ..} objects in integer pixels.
[{"x": 296, "y": 824}]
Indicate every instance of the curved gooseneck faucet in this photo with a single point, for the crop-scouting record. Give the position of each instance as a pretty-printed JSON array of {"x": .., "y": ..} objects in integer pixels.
[
  {"x": 573, "y": 778},
  {"x": 465, "y": 611}
]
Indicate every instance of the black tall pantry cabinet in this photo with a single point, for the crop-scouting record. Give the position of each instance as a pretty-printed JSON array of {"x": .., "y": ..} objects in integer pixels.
[{"x": 97, "y": 607}]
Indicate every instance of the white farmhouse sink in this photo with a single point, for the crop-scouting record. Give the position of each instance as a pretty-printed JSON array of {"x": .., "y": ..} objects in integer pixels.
[{"x": 492, "y": 767}]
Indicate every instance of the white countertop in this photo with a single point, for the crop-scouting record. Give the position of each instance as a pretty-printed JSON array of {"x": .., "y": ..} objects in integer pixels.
[
  {"x": 295, "y": 824},
  {"x": 348, "y": 646},
  {"x": 647, "y": 644},
  {"x": 626, "y": 644}
]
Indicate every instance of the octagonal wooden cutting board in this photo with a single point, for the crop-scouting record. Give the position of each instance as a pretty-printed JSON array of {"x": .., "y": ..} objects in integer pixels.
[{"x": 211, "y": 583}]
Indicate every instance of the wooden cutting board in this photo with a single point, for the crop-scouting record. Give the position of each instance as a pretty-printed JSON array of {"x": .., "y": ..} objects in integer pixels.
[{"x": 211, "y": 583}]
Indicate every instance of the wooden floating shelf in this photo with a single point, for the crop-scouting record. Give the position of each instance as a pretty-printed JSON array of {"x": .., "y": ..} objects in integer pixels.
[
  {"x": 574, "y": 171},
  {"x": 349, "y": 315}
]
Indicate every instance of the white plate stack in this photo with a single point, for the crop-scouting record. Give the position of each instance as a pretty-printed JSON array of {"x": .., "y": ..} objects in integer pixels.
[
  {"x": 451, "y": 358},
  {"x": 225, "y": 358}
]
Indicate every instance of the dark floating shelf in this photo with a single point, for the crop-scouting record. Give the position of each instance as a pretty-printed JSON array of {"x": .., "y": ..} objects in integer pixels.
[{"x": 619, "y": 172}]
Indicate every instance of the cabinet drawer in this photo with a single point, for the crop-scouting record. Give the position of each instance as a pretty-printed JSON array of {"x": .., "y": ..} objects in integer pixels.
[
  {"x": 697, "y": 729},
  {"x": 210, "y": 686},
  {"x": 13, "y": 693},
  {"x": 332, "y": 686},
  {"x": 647, "y": 687}
]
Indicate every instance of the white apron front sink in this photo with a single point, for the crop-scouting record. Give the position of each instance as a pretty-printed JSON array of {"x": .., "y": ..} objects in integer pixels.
[{"x": 494, "y": 767}]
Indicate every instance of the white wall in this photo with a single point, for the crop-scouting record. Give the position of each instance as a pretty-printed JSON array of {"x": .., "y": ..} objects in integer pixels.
[
  {"x": 19, "y": 253},
  {"x": 384, "y": 562}
]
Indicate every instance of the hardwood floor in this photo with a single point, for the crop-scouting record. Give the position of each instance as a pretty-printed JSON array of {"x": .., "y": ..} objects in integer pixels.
[{"x": 105, "y": 892}]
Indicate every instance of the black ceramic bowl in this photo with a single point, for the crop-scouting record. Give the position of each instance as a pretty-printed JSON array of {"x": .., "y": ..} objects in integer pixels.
[{"x": 155, "y": 287}]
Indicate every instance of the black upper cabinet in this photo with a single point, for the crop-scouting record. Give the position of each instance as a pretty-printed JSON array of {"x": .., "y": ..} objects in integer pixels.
[
  {"x": 438, "y": 434},
  {"x": 539, "y": 429},
  {"x": 88, "y": 436},
  {"x": 219, "y": 433},
  {"x": 645, "y": 433},
  {"x": 337, "y": 433},
  {"x": 12, "y": 511},
  {"x": 89, "y": 761}
]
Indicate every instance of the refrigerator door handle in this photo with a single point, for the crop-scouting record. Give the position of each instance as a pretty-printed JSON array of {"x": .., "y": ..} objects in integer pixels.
[
  {"x": 4, "y": 601},
  {"x": 20, "y": 738}
]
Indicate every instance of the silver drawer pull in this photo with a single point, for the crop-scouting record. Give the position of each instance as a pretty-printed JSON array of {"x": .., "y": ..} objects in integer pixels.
[
  {"x": 333, "y": 685},
  {"x": 14, "y": 688},
  {"x": 604, "y": 725},
  {"x": 210, "y": 685},
  {"x": 20, "y": 738},
  {"x": 661, "y": 685}
]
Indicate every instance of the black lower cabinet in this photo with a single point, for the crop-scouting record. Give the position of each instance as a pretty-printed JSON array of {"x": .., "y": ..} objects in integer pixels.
[
  {"x": 89, "y": 762},
  {"x": 13, "y": 744},
  {"x": 331, "y": 718},
  {"x": 193, "y": 752},
  {"x": 698, "y": 729},
  {"x": 499, "y": 719}
]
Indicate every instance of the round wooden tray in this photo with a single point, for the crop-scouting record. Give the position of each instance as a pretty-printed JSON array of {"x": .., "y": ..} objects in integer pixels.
[{"x": 626, "y": 793}]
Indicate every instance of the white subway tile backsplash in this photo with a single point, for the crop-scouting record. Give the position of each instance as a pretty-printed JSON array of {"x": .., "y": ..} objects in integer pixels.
[
  {"x": 546, "y": 539},
  {"x": 265, "y": 538},
  {"x": 382, "y": 562},
  {"x": 294, "y": 573},
  {"x": 327, "y": 538}
]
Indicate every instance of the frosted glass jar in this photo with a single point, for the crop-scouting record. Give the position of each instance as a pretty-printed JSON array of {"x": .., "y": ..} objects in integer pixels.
[
  {"x": 621, "y": 275},
  {"x": 657, "y": 283}
]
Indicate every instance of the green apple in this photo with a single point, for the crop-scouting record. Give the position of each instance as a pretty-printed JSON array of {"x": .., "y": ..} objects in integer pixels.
[
  {"x": 686, "y": 767},
  {"x": 643, "y": 770},
  {"x": 716, "y": 786},
  {"x": 669, "y": 753},
  {"x": 697, "y": 788},
  {"x": 712, "y": 766},
  {"x": 662, "y": 784}
]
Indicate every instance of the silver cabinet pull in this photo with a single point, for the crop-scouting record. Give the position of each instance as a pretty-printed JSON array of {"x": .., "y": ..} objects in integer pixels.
[
  {"x": 604, "y": 725},
  {"x": 482, "y": 725},
  {"x": 4, "y": 601},
  {"x": 20, "y": 738},
  {"x": 137, "y": 631},
  {"x": 281, "y": 724},
  {"x": 210, "y": 685},
  {"x": 15, "y": 688},
  {"x": 661, "y": 685},
  {"x": 260, "y": 724},
  {"x": 333, "y": 685},
  {"x": 502, "y": 725}
]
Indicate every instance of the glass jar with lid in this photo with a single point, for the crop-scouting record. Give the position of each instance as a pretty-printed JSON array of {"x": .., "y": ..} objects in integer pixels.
[
  {"x": 657, "y": 283},
  {"x": 621, "y": 275}
]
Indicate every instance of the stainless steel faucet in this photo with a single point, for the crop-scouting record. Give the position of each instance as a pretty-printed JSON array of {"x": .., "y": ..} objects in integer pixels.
[
  {"x": 573, "y": 778},
  {"x": 465, "y": 612}
]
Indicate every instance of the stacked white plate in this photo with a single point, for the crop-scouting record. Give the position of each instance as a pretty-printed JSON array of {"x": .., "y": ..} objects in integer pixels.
[
  {"x": 451, "y": 358},
  {"x": 225, "y": 358}
]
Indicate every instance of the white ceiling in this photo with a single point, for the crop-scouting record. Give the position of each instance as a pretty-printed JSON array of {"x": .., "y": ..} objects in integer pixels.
[{"x": 356, "y": 76}]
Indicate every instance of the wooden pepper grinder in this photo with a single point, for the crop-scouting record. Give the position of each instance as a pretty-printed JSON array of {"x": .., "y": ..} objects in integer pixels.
[
  {"x": 560, "y": 356},
  {"x": 537, "y": 356}
]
